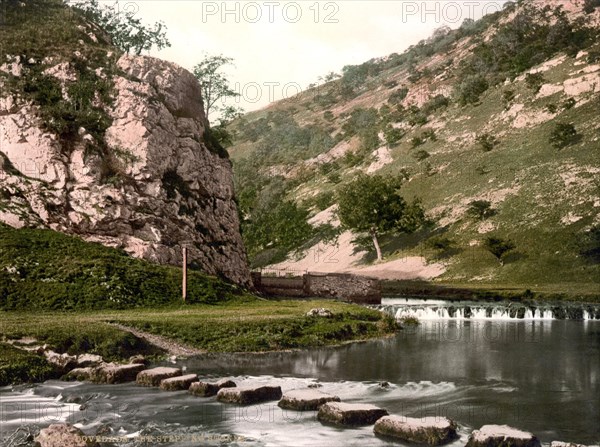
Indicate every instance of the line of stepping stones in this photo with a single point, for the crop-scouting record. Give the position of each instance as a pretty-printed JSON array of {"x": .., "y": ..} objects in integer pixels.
[{"x": 428, "y": 430}]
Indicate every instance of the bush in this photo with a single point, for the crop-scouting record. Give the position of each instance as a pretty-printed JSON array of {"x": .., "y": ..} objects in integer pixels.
[
  {"x": 499, "y": 247},
  {"x": 470, "y": 90},
  {"x": 481, "y": 209},
  {"x": 487, "y": 141},
  {"x": 534, "y": 81},
  {"x": 417, "y": 141},
  {"x": 563, "y": 135},
  {"x": 398, "y": 96},
  {"x": 508, "y": 95},
  {"x": 393, "y": 135},
  {"x": 435, "y": 103},
  {"x": 430, "y": 135},
  {"x": 569, "y": 104},
  {"x": 590, "y": 5},
  {"x": 421, "y": 155}
]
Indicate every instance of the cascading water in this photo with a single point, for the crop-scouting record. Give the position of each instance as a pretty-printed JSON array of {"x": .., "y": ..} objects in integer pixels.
[{"x": 464, "y": 310}]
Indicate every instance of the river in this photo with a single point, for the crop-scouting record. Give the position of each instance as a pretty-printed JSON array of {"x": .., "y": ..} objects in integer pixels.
[{"x": 537, "y": 374}]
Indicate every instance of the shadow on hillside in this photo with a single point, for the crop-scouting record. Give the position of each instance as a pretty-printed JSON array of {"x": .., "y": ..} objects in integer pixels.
[
  {"x": 515, "y": 257},
  {"x": 392, "y": 244}
]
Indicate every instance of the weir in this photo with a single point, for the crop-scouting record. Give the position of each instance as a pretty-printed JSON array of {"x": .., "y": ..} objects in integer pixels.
[{"x": 445, "y": 310}]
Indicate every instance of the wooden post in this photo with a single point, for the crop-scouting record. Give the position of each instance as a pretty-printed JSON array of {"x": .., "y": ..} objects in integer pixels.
[{"x": 184, "y": 284}]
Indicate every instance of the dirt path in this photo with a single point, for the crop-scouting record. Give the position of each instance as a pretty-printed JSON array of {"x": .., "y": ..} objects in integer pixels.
[{"x": 172, "y": 347}]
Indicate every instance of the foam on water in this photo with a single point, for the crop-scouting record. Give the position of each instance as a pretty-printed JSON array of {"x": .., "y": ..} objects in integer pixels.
[{"x": 428, "y": 310}]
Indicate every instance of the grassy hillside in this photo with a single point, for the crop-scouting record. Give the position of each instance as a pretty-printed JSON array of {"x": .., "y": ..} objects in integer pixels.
[
  {"x": 503, "y": 111},
  {"x": 61, "y": 291},
  {"x": 46, "y": 270}
]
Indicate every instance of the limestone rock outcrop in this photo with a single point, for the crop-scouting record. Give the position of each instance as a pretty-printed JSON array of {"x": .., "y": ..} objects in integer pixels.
[{"x": 164, "y": 186}]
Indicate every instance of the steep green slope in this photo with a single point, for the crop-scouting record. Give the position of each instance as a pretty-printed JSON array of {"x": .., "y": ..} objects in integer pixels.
[
  {"x": 468, "y": 115},
  {"x": 45, "y": 270}
]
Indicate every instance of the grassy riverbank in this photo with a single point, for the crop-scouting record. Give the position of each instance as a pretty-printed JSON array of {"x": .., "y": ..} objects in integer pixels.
[{"x": 243, "y": 325}]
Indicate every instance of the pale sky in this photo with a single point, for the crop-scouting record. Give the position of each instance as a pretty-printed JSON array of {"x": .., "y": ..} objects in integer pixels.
[{"x": 282, "y": 46}]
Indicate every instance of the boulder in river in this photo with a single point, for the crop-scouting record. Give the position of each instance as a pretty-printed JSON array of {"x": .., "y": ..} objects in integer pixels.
[
  {"x": 113, "y": 373},
  {"x": 62, "y": 435},
  {"x": 207, "y": 389},
  {"x": 501, "y": 436},
  {"x": 427, "y": 430},
  {"x": 79, "y": 374},
  {"x": 153, "y": 377},
  {"x": 178, "y": 383},
  {"x": 249, "y": 395},
  {"x": 341, "y": 413},
  {"x": 306, "y": 400}
]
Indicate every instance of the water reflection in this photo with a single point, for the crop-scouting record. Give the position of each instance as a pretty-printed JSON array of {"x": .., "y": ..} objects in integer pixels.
[{"x": 538, "y": 375}]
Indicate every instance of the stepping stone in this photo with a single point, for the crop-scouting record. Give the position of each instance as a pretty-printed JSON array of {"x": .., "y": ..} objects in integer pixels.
[
  {"x": 153, "y": 377},
  {"x": 501, "y": 436},
  {"x": 79, "y": 374},
  {"x": 207, "y": 389},
  {"x": 305, "y": 400},
  {"x": 178, "y": 383},
  {"x": 62, "y": 435},
  {"x": 112, "y": 373},
  {"x": 427, "y": 430},
  {"x": 249, "y": 395},
  {"x": 341, "y": 413}
]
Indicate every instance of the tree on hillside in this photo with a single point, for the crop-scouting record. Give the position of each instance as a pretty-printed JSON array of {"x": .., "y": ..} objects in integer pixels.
[
  {"x": 373, "y": 205},
  {"x": 126, "y": 31},
  {"x": 499, "y": 247},
  {"x": 215, "y": 86}
]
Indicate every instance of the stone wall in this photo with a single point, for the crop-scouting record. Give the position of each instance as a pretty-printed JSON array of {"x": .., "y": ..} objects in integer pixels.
[
  {"x": 358, "y": 289},
  {"x": 342, "y": 286}
]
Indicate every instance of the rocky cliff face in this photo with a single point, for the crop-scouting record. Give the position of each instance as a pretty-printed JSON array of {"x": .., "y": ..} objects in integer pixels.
[{"x": 155, "y": 188}]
